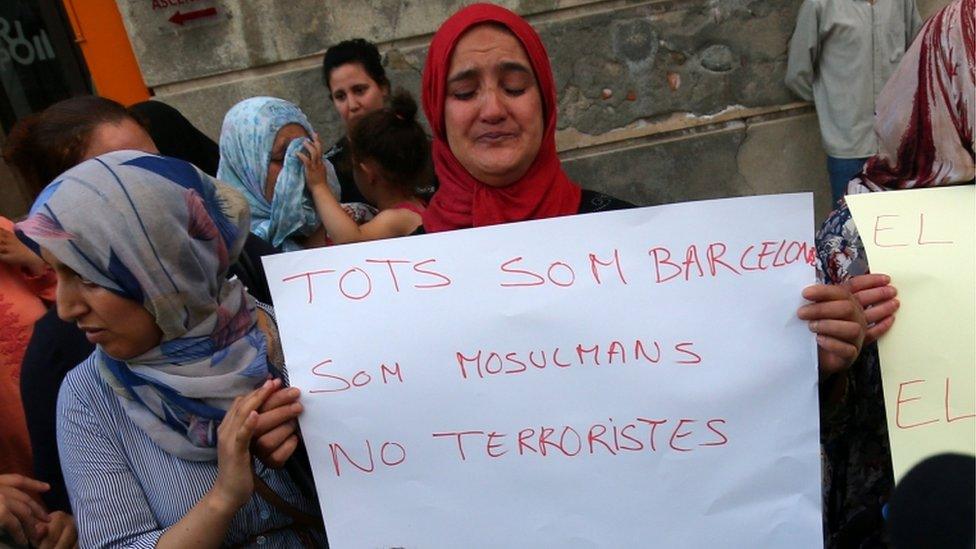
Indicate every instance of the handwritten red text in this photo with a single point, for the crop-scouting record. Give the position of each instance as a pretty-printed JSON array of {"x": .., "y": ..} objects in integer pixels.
[
  {"x": 389, "y": 276},
  {"x": 485, "y": 362},
  {"x": 612, "y": 438}
]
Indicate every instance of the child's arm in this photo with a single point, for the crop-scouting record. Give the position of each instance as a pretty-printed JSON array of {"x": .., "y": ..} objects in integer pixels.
[
  {"x": 343, "y": 230},
  {"x": 339, "y": 226},
  {"x": 333, "y": 217},
  {"x": 387, "y": 224}
]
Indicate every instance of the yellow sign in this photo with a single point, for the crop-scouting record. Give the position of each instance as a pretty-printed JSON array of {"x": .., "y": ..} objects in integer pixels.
[{"x": 926, "y": 241}]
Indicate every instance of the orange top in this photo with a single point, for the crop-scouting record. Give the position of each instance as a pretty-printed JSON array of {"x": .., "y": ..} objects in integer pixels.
[{"x": 22, "y": 298}]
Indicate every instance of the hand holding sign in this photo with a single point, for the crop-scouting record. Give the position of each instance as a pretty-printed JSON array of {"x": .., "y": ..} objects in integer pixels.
[
  {"x": 877, "y": 297},
  {"x": 276, "y": 430},
  {"x": 838, "y": 320}
]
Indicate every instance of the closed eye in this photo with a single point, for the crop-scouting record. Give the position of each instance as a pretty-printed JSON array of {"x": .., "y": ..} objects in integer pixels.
[{"x": 83, "y": 281}]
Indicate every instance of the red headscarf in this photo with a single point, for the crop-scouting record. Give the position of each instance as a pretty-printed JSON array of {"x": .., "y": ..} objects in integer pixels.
[{"x": 463, "y": 201}]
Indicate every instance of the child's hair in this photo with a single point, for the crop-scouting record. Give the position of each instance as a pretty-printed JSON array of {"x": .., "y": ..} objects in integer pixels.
[
  {"x": 356, "y": 50},
  {"x": 45, "y": 144},
  {"x": 394, "y": 139}
]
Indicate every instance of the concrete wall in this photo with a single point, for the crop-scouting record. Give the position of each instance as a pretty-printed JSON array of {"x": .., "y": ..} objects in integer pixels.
[{"x": 659, "y": 100}]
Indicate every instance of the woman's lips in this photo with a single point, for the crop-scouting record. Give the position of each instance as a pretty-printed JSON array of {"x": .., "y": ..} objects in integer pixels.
[
  {"x": 495, "y": 137},
  {"x": 94, "y": 335}
]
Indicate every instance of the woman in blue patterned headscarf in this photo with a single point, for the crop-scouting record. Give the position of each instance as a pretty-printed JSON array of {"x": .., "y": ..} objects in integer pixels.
[
  {"x": 154, "y": 427},
  {"x": 259, "y": 142}
]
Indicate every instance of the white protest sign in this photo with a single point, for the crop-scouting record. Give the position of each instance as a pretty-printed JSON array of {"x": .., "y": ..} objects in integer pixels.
[{"x": 622, "y": 379}]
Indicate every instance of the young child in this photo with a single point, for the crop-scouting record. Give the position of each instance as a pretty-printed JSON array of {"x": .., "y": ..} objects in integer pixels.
[{"x": 390, "y": 157}]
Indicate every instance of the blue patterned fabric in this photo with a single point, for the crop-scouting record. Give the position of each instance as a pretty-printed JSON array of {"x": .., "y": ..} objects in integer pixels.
[
  {"x": 246, "y": 141},
  {"x": 158, "y": 231}
]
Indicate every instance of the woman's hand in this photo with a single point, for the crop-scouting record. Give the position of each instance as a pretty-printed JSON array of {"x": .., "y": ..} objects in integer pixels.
[
  {"x": 58, "y": 533},
  {"x": 311, "y": 157},
  {"x": 14, "y": 252},
  {"x": 20, "y": 513},
  {"x": 838, "y": 320},
  {"x": 235, "y": 476},
  {"x": 276, "y": 431},
  {"x": 207, "y": 523},
  {"x": 877, "y": 296}
]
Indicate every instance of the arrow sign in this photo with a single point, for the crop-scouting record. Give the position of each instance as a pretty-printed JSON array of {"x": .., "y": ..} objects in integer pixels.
[{"x": 180, "y": 18}]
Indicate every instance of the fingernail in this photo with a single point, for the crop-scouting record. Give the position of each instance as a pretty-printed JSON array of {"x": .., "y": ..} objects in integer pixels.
[
  {"x": 266, "y": 384},
  {"x": 296, "y": 407},
  {"x": 813, "y": 326}
]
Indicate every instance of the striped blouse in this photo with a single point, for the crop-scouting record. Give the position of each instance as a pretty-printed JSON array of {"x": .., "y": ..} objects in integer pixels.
[{"x": 125, "y": 490}]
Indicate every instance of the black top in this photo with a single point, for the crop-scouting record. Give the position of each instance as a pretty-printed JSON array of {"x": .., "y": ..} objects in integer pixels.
[
  {"x": 593, "y": 201},
  {"x": 933, "y": 504},
  {"x": 175, "y": 136},
  {"x": 55, "y": 348},
  {"x": 250, "y": 269}
]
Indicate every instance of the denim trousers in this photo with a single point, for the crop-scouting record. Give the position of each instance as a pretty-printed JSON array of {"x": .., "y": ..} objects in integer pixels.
[{"x": 841, "y": 171}]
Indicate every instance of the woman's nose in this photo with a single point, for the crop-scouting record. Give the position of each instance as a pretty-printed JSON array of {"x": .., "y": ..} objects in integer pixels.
[
  {"x": 493, "y": 107},
  {"x": 70, "y": 305}
]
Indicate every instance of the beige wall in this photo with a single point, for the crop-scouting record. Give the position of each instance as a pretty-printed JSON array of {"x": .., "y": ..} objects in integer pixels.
[
  {"x": 928, "y": 7},
  {"x": 659, "y": 100}
]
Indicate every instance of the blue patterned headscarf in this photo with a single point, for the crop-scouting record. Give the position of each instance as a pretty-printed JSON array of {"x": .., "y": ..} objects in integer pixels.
[
  {"x": 246, "y": 140},
  {"x": 160, "y": 232}
]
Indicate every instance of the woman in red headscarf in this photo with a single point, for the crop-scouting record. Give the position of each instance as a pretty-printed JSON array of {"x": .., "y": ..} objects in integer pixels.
[{"x": 489, "y": 95}]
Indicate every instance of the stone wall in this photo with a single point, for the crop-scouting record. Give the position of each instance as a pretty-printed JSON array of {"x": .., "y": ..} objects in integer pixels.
[{"x": 659, "y": 100}]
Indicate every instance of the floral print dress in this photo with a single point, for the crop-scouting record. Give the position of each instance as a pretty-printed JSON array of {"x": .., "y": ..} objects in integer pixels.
[{"x": 858, "y": 476}]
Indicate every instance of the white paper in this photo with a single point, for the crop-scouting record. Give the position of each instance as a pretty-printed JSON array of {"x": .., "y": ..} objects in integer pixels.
[{"x": 734, "y": 359}]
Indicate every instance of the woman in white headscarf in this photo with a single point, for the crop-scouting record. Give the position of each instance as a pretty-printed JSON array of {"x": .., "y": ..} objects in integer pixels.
[{"x": 259, "y": 145}]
